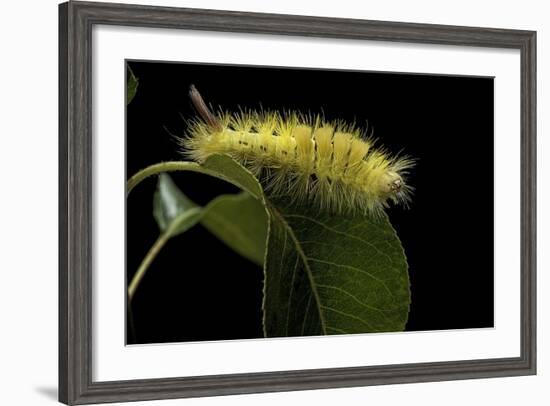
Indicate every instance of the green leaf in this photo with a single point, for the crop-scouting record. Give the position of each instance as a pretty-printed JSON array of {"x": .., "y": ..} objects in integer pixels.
[
  {"x": 131, "y": 85},
  {"x": 173, "y": 211},
  {"x": 333, "y": 274},
  {"x": 240, "y": 220},
  {"x": 174, "y": 214},
  {"x": 323, "y": 273},
  {"x": 226, "y": 168}
]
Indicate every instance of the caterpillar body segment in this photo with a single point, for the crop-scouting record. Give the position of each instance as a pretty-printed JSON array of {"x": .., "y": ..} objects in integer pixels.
[{"x": 331, "y": 164}]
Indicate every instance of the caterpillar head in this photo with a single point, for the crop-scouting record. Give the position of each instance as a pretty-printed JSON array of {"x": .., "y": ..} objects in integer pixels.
[
  {"x": 391, "y": 183},
  {"x": 394, "y": 188}
]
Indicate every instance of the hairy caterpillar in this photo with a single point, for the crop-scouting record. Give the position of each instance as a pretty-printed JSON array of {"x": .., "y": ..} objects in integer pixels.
[{"x": 332, "y": 164}]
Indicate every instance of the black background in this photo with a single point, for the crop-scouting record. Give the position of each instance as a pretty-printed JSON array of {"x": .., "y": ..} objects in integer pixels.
[{"x": 197, "y": 289}]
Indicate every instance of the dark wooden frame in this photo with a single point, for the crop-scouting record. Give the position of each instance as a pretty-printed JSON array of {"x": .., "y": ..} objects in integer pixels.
[{"x": 75, "y": 191}]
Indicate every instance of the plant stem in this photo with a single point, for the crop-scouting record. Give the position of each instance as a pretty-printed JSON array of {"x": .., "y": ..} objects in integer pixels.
[
  {"x": 151, "y": 254},
  {"x": 173, "y": 166},
  {"x": 159, "y": 168},
  {"x": 131, "y": 327}
]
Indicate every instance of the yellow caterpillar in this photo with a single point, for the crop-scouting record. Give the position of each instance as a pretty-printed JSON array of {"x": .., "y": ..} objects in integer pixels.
[{"x": 331, "y": 164}]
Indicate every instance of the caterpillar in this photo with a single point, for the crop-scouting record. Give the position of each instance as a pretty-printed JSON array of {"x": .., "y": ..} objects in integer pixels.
[{"x": 332, "y": 164}]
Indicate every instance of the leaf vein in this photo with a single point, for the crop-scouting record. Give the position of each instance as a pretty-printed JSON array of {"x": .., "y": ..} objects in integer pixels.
[
  {"x": 366, "y": 323},
  {"x": 290, "y": 294},
  {"x": 356, "y": 299},
  {"x": 306, "y": 314},
  {"x": 307, "y": 268},
  {"x": 354, "y": 269},
  {"x": 333, "y": 230}
]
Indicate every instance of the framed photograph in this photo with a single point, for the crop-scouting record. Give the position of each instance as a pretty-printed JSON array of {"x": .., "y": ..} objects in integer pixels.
[{"x": 257, "y": 202}]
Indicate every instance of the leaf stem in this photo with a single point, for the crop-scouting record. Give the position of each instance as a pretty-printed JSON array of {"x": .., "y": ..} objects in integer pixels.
[
  {"x": 131, "y": 327},
  {"x": 155, "y": 169},
  {"x": 151, "y": 254}
]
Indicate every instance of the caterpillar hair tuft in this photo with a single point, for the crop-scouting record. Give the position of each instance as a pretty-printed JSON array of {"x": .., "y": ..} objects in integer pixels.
[{"x": 332, "y": 164}]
